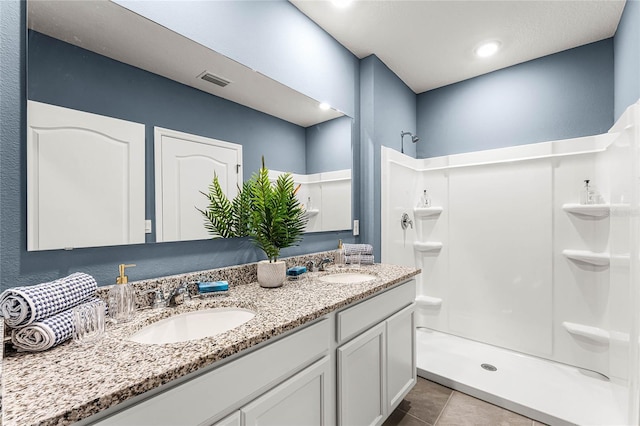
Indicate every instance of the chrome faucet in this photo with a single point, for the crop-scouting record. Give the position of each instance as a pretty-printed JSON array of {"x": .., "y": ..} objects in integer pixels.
[
  {"x": 324, "y": 261},
  {"x": 311, "y": 266},
  {"x": 176, "y": 296}
]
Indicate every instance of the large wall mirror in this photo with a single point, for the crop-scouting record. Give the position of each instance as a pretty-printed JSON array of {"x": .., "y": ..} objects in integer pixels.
[{"x": 106, "y": 87}]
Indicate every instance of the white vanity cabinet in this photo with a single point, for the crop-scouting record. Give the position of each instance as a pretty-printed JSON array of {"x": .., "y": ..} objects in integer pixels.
[
  {"x": 352, "y": 367},
  {"x": 377, "y": 368},
  {"x": 210, "y": 396}
]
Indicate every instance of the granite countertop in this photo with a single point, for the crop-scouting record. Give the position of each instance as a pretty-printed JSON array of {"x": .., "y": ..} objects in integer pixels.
[{"x": 71, "y": 382}]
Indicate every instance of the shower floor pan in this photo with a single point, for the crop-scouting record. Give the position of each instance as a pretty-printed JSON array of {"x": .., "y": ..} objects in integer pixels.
[{"x": 547, "y": 391}]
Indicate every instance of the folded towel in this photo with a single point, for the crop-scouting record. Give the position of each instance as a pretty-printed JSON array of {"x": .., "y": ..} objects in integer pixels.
[
  {"x": 357, "y": 248},
  {"x": 21, "y": 306},
  {"x": 45, "y": 334},
  {"x": 365, "y": 259}
]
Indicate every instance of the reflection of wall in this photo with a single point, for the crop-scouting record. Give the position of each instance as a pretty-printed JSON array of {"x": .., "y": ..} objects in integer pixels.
[
  {"x": 327, "y": 148},
  {"x": 327, "y": 198}
]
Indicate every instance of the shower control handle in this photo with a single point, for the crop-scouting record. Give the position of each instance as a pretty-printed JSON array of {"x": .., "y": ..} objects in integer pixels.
[{"x": 405, "y": 222}]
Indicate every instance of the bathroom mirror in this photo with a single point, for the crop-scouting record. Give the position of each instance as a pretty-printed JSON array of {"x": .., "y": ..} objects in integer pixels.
[{"x": 100, "y": 58}]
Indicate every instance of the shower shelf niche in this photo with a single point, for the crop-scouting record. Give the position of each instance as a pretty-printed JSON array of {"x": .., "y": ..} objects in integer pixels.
[
  {"x": 312, "y": 212},
  {"x": 428, "y": 301},
  {"x": 586, "y": 256},
  {"x": 424, "y": 212},
  {"x": 591, "y": 210},
  {"x": 595, "y": 334},
  {"x": 427, "y": 247}
]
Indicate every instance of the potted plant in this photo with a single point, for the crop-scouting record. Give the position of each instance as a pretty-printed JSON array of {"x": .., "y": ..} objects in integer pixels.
[{"x": 268, "y": 212}]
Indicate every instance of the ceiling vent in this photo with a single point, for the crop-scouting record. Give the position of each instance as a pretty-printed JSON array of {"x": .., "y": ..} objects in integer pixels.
[{"x": 215, "y": 79}]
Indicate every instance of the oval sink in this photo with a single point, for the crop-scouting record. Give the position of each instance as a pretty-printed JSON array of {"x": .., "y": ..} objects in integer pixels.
[
  {"x": 192, "y": 325},
  {"x": 347, "y": 278}
]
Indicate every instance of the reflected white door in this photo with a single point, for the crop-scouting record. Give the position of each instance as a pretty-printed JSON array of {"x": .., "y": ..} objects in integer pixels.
[
  {"x": 85, "y": 179},
  {"x": 184, "y": 167}
]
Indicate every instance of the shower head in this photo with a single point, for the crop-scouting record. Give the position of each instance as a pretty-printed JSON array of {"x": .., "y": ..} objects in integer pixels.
[{"x": 414, "y": 139}]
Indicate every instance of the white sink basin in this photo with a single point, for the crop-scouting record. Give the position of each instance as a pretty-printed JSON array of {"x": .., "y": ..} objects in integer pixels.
[
  {"x": 192, "y": 325},
  {"x": 347, "y": 278}
]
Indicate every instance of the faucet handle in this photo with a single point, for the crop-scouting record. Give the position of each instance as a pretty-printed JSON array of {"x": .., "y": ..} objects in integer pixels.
[
  {"x": 158, "y": 301},
  {"x": 311, "y": 266}
]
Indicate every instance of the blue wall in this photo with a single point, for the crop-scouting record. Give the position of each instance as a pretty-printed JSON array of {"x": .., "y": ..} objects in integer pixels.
[
  {"x": 19, "y": 267},
  {"x": 626, "y": 45},
  {"x": 388, "y": 107},
  {"x": 272, "y": 37},
  {"x": 327, "y": 147},
  {"x": 565, "y": 95}
]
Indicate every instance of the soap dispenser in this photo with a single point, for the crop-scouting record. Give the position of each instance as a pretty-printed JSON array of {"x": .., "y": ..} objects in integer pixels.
[
  {"x": 122, "y": 300},
  {"x": 425, "y": 200},
  {"x": 340, "y": 259}
]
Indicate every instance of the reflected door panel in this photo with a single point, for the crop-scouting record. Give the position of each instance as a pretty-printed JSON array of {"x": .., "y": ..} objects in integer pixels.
[
  {"x": 185, "y": 166},
  {"x": 85, "y": 179}
]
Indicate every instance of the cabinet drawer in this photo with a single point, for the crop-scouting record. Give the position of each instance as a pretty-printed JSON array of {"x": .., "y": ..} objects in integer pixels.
[
  {"x": 355, "y": 320},
  {"x": 218, "y": 392}
]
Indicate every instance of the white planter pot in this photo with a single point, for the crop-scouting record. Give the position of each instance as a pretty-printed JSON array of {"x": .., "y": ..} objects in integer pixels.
[{"x": 271, "y": 274}]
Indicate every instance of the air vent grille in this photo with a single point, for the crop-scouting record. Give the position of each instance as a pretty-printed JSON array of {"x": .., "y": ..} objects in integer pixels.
[{"x": 215, "y": 79}]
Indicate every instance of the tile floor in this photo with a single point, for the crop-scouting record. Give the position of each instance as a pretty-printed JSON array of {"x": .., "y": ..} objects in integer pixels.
[{"x": 429, "y": 403}]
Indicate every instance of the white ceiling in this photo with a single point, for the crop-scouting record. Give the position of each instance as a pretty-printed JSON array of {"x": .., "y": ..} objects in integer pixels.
[{"x": 429, "y": 44}]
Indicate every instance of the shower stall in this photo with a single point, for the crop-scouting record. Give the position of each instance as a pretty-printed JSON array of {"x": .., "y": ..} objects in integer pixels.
[{"x": 519, "y": 275}]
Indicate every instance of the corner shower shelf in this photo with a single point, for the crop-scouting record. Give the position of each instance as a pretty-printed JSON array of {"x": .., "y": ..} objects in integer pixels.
[
  {"x": 591, "y": 210},
  {"x": 429, "y": 301},
  {"x": 427, "y": 247},
  {"x": 312, "y": 212},
  {"x": 422, "y": 212},
  {"x": 596, "y": 334},
  {"x": 597, "y": 259}
]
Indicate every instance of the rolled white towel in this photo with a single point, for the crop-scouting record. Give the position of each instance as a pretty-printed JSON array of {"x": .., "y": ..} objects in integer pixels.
[
  {"x": 357, "y": 249},
  {"x": 45, "y": 334},
  {"x": 21, "y": 306}
]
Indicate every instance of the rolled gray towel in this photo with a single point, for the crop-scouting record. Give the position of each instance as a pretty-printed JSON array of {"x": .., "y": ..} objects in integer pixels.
[
  {"x": 21, "y": 306},
  {"x": 45, "y": 334},
  {"x": 365, "y": 259},
  {"x": 357, "y": 249}
]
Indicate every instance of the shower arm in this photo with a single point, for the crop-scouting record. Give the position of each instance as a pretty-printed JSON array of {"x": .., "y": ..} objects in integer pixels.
[{"x": 414, "y": 139}]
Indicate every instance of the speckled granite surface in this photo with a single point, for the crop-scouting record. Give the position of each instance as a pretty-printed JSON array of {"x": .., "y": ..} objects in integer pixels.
[{"x": 73, "y": 382}]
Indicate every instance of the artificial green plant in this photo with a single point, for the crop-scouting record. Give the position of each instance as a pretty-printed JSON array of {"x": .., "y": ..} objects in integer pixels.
[{"x": 266, "y": 211}]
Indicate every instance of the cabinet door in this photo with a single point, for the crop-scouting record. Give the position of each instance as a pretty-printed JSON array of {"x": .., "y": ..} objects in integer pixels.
[
  {"x": 299, "y": 401},
  {"x": 185, "y": 165},
  {"x": 361, "y": 379},
  {"x": 233, "y": 419},
  {"x": 401, "y": 355}
]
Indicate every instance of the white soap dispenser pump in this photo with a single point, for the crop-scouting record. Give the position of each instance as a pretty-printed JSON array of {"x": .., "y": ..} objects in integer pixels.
[{"x": 122, "y": 298}]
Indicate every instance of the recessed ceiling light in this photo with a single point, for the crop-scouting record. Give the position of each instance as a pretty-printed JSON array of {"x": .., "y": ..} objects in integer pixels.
[
  {"x": 487, "y": 49},
  {"x": 341, "y": 3},
  {"x": 324, "y": 106}
]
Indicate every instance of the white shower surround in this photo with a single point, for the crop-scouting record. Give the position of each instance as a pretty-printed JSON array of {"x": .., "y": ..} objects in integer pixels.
[{"x": 502, "y": 275}]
